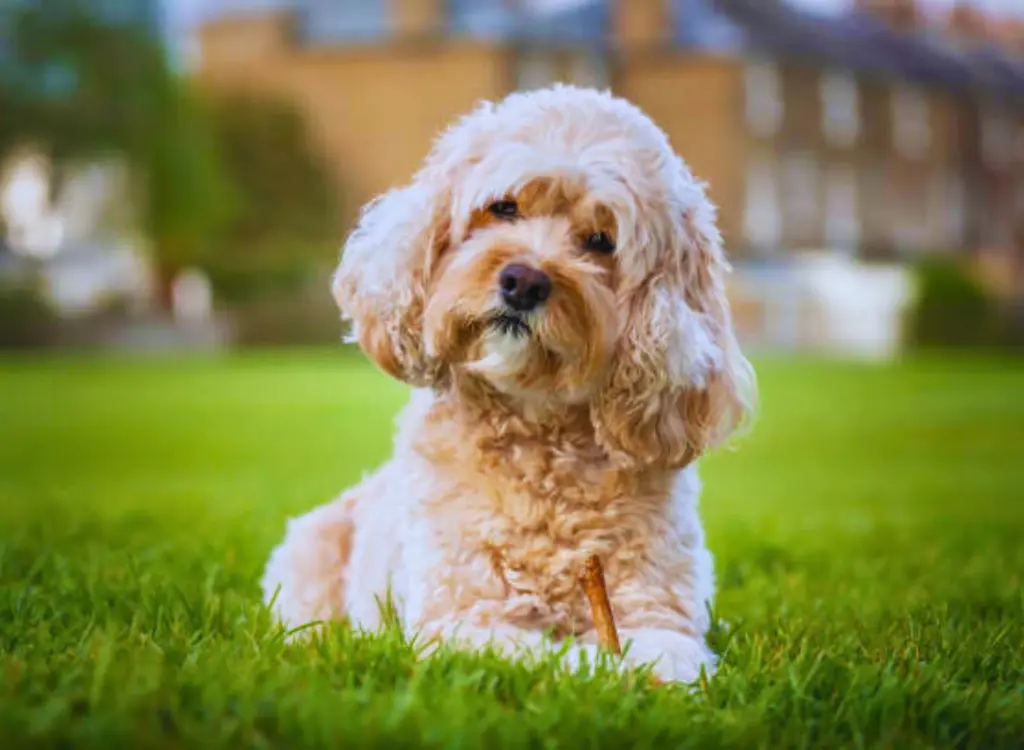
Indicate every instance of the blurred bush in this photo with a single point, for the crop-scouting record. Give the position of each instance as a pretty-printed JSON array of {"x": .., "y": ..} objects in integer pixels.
[
  {"x": 1010, "y": 323},
  {"x": 275, "y": 253},
  {"x": 284, "y": 225},
  {"x": 953, "y": 308},
  {"x": 285, "y": 187},
  {"x": 309, "y": 318},
  {"x": 26, "y": 320},
  {"x": 240, "y": 282}
]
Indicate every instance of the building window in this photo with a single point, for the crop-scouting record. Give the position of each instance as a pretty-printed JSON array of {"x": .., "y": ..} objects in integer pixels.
[
  {"x": 762, "y": 222},
  {"x": 911, "y": 122},
  {"x": 535, "y": 69},
  {"x": 764, "y": 99},
  {"x": 842, "y": 217},
  {"x": 801, "y": 186},
  {"x": 873, "y": 179},
  {"x": 352, "y": 20},
  {"x": 538, "y": 68},
  {"x": 907, "y": 201},
  {"x": 997, "y": 138},
  {"x": 950, "y": 207},
  {"x": 998, "y": 210},
  {"x": 840, "y": 106},
  {"x": 490, "y": 19},
  {"x": 589, "y": 69}
]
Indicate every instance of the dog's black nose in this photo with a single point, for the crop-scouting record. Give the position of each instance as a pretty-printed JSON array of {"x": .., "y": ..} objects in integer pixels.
[{"x": 523, "y": 288}]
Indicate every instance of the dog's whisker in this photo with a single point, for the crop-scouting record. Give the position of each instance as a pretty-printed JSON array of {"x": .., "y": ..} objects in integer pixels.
[{"x": 512, "y": 325}]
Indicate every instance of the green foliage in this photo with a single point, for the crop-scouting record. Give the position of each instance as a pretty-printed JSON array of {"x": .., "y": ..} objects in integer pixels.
[
  {"x": 26, "y": 320},
  {"x": 287, "y": 320},
  {"x": 1012, "y": 328},
  {"x": 866, "y": 539},
  {"x": 953, "y": 308},
  {"x": 286, "y": 188},
  {"x": 78, "y": 80},
  {"x": 287, "y": 204},
  {"x": 190, "y": 197}
]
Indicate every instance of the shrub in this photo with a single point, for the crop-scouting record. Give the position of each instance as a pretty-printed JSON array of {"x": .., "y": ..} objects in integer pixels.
[
  {"x": 285, "y": 220},
  {"x": 1012, "y": 328},
  {"x": 953, "y": 308},
  {"x": 308, "y": 319},
  {"x": 26, "y": 320}
]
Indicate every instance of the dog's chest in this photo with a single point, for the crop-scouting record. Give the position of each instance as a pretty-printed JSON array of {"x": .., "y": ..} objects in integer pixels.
[{"x": 534, "y": 531}]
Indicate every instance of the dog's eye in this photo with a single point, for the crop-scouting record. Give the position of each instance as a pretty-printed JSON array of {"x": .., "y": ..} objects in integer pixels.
[
  {"x": 600, "y": 242},
  {"x": 504, "y": 209}
]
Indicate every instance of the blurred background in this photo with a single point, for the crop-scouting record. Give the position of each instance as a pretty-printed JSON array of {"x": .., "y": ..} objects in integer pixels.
[{"x": 179, "y": 174}]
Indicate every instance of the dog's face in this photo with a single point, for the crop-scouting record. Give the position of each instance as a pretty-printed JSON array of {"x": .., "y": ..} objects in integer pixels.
[
  {"x": 526, "y": 300},
  {"x": 556, "y": 248}
]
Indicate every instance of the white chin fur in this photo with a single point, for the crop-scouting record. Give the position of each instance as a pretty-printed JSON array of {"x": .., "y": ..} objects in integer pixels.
[{"x": 504, "y": 355}]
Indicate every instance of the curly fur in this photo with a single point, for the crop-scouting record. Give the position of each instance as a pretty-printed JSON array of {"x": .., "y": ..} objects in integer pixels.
[{"x": 519, "y": 455}]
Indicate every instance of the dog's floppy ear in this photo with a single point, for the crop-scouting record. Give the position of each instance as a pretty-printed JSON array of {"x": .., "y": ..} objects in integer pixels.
[
  {"x": 381, "y": 282},
  {"x": 678, "y": 384}
]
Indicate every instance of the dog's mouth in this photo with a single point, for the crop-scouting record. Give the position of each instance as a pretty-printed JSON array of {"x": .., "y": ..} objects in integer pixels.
[{"x": 511, "y": 325}]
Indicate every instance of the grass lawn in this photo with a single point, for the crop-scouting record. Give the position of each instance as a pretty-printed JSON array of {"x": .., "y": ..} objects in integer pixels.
[{"x": 869, "y": 544}]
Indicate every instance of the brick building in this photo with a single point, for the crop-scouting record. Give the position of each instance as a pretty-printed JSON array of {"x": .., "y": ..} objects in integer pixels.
[{"x": 876, "y": 131}]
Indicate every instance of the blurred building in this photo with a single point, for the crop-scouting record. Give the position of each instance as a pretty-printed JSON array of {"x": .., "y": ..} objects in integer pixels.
[{"x": 877, "y": 130}]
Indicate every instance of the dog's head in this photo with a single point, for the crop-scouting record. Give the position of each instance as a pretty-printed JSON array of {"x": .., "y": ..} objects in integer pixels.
[{"x": 555, "y": 247}]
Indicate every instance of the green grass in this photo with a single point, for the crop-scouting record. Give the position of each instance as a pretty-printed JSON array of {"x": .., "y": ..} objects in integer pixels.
[{"x": 869, "y": 543}]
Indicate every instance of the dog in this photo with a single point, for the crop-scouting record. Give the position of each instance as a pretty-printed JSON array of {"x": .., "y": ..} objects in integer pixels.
[{"x": 551, "y": 285}]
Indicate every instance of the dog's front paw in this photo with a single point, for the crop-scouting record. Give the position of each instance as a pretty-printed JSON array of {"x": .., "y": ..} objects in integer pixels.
[{"x": 672, "y": 656}]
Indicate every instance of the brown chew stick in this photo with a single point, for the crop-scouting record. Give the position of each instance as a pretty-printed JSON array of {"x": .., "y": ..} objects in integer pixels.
[{"x": 591, "y": 577}]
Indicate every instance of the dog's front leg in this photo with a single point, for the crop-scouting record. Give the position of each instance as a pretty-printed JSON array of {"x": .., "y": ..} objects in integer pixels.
[
  {"x": 464, "y": 604},
  {"x": 674, "y": 656}
]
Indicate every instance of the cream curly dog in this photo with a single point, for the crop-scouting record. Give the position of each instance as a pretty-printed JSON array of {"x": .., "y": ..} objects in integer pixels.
[{"x": 551, "y": 282}]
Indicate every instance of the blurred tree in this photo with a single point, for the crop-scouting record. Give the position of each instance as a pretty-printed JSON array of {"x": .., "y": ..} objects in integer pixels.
[
  {"x": 81, "y": 78},
  {"x": 189, "y": 195},
  {"x": 285, "y": 224},
  {"x": 76, "y": 80}
]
